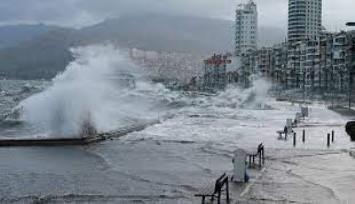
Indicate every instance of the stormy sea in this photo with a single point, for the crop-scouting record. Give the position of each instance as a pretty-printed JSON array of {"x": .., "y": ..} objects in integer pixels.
[{"x": 166, "y": 162}]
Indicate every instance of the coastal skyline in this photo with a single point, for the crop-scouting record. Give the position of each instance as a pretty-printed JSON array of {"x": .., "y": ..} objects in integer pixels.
[{"x": 80, "y": 13}]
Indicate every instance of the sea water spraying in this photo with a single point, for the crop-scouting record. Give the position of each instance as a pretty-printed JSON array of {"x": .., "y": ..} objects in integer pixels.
[
  {"x": 89, "y": 96},
  {"x": 255, "y": 97},
  {"x": 258, "y": 94}
]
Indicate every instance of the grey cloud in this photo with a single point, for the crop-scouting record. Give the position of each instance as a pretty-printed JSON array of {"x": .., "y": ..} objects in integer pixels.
[
  {"x": 84, "y": 12},
  {"x": 56, "y": 11}
]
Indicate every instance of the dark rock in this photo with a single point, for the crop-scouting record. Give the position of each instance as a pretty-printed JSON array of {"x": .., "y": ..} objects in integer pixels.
[{"x": 350, "y": 129}]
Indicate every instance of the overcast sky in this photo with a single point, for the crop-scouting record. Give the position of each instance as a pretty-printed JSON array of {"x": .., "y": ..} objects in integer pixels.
[{"x": 79, "y": 13}]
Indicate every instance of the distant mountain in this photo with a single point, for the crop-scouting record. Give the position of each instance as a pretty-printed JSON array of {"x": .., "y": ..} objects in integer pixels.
[
  {"x": 13, "y": 34},
  {"x": 174, "y": 33},
  {"x": 164, "y": 33},
  {"x": 45, "y": 55},
  {"x": 40, "y": 58}
]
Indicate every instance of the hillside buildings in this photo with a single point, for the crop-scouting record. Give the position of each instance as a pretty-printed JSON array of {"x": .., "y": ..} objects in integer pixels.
[
  {"x": 246, "y": 21},
  {"x": 304, "y": 20}
]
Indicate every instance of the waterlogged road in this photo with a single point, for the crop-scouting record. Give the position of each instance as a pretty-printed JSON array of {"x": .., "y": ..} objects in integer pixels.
[{"x": 166, "y": 163}]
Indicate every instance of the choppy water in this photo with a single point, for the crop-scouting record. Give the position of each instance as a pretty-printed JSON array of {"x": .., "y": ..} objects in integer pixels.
[
  {"x": 168, "y": 162},
  {"x": 13, "y": 92}
]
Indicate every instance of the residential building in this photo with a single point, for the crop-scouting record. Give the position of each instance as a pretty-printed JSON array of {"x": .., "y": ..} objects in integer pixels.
[
  {"x": 215, "y": 75},
  {"x": 309, "y": 65},
  {"x": 293, "y": 68},
  {"x": 280, "y": 53},
  {"x": 246, "y": 24},
  {"x": 248, "y": 67},
  {"x": 338, "y": 71},
  {"x": 325, "y": 49},
  {"x": 265, "y": 62},
  {"x": 304, "y": 20}
]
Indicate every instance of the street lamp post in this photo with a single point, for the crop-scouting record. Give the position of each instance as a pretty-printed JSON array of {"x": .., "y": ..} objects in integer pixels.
[
  {"x": 350, "y": 71},
  {"x": 332, "y": 84}
]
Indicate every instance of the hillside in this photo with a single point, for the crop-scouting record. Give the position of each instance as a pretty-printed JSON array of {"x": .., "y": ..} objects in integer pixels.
[
  {"x": 45, "y": 55},
  {"x": 163, "y": 33},
  {"x": 11, "y": 35},
  {"x": 40, "y": 58}
]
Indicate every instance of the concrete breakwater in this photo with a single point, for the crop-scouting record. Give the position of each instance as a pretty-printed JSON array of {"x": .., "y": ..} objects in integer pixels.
[{"x": 84, "y": 140}]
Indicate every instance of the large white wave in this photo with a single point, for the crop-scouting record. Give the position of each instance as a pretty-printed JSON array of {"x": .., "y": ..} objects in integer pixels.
[{"x": 89, "y": 94}]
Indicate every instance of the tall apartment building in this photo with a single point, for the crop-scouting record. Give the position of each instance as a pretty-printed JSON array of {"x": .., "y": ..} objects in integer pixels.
[
  {"x": 304, "y": 20},
  {"x": 246, "y": 28}
]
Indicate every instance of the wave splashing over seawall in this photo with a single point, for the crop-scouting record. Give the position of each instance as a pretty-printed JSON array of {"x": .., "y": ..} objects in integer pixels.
[
  {"x": 89, "y": 95},
  {"x": 235, "y": 97},
  {"x": 102, "y": 91}
]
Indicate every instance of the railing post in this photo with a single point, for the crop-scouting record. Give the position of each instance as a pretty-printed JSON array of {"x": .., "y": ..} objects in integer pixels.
[
  {"x": 332, "y": 135},
  {"x": 294, "y": 139},
  {"x": 227, "y": 190},
  {"x": 263, "y": 155}
]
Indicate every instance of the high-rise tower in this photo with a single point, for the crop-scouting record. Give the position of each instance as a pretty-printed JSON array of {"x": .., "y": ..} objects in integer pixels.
[
  {"x": 304, "y": 19},
  {"x": 246, "y": 27}
]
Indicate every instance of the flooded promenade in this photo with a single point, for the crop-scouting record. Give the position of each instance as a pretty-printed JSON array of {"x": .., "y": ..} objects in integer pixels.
[{"x": 168, "y": 162}]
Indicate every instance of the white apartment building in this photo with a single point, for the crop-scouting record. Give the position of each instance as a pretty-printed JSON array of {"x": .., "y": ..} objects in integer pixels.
[
  {"x": 304, "y": 20},
  {"x": 246, "y": 28}
]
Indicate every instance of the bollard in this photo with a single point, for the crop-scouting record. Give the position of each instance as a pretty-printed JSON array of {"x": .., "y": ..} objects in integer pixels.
[
  {"x": 332, "y": 135},
  {"x": 263, "y": 155},
  {"x": 294, "y": 139},
  {"x": 328, "y": 140},
  {"x": 304, "y": 136}
]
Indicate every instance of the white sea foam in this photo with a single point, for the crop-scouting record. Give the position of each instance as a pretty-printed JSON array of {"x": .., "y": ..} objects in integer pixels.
[
  {"x": 90, "y": 91},
  {"x": 90, "y": 94}
]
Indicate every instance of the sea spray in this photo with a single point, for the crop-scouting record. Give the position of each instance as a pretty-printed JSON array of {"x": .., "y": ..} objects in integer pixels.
[
  {"x": 260, "y": 92},
  {"x": 255, "y": 97},
  {"x": 87, "y": 97}
]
